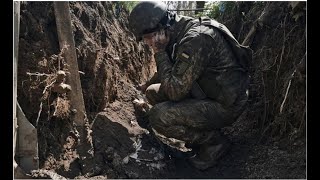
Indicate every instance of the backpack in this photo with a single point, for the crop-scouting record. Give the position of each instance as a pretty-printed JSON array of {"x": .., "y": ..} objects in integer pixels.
[{"x": 243, "y": 53}]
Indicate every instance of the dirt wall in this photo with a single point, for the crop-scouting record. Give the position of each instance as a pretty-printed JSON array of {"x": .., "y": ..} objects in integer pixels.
[
  {"x": 111, "y": 65},
  {"x": 278, "y": 68}
]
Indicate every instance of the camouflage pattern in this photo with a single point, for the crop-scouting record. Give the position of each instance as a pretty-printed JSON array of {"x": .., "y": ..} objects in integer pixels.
[
  {"x": 203, "y": 87},
  {"x": 191, "y": 120},
  {"x": 155, "y": 95},
  {"x": 153, "y": 80}
]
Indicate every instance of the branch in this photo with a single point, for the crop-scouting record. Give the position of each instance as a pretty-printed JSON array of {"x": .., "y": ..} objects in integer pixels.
[
  {"x": 38, "y": 74},
  {"x": 287, "y": 91}
]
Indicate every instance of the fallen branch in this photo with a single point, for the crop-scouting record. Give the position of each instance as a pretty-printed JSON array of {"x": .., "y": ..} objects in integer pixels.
[
  {"x": 287, "y": 91},
  {"x": 38, "y": 74},
  {"x": 257, "y": 24},
  {"x": 265, "y": 105},
  {"x": 43, "y": 92},
  {"x": 282, "y": 52},
  {"x": 298, "y": 66},
  {"x": 39, "y": 113},
  {"x": 141, "y": 159}
]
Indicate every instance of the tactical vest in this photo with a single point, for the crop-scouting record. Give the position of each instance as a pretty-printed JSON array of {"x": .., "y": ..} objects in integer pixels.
[{"x": 205, "y": 87}]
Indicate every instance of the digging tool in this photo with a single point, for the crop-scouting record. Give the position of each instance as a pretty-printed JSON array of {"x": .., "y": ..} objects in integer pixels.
[{"x": 25, "y": 141}]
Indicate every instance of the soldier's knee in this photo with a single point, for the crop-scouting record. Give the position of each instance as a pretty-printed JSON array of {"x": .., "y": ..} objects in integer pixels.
[
  {"x": 157, "y": 115},
  {"x": 152, "y": 93}
]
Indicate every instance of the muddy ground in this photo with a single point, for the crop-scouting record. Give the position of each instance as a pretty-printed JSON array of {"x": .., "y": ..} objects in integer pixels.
[{"x": 266, "y": 142}]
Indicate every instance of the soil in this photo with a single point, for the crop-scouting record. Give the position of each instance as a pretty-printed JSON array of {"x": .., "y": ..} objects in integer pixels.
[{"x": 266, "y": 142}]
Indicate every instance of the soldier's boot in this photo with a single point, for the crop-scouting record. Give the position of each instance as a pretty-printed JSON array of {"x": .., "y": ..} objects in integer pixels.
[{"x": 211, "y": 149}]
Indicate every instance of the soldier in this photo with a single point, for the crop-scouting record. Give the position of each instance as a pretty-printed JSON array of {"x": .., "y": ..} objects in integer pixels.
[{"x": 201, "y": 80}]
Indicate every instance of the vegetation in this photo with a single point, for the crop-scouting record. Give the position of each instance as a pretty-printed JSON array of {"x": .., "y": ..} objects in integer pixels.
[
  {"x": 128, "y": 5},
  {"x": 216, "y": 9}
]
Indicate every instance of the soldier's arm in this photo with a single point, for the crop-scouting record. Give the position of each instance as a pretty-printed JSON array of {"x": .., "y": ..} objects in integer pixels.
[
  {"x": 177, "y": 78},
  {"x": 153, "y": 80}
]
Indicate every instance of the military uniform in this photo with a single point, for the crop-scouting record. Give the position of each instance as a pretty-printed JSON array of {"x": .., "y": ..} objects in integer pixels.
[{"x": 201, "y": 84}]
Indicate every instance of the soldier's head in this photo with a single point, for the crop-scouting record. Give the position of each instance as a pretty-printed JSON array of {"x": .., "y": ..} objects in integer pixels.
[{"x": 149, "y": 17}]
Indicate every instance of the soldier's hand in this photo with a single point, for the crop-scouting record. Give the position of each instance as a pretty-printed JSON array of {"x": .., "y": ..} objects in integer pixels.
[
  {"x": 160, "y": 42},
  {"x": 142, "y": 87},
  {"x": 140, "y": 106},
  {"x": 156, "y": 40}
]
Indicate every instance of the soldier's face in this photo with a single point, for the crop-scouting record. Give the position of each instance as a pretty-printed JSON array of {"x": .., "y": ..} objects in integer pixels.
[
  {"x": 156, "y": 40},
  {"x": 149, "y": 38}
]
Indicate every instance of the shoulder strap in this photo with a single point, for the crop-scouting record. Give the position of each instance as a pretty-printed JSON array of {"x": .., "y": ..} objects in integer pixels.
[{"x": 244, "y": 53}]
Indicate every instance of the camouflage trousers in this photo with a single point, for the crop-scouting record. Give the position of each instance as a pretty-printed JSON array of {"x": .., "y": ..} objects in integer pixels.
[{"x": 191, "y": 120}]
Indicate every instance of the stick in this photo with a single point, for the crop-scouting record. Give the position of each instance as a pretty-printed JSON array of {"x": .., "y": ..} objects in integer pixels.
[
  {"x": 38, "y": 74},
  {"x": 287, "y": 91}
]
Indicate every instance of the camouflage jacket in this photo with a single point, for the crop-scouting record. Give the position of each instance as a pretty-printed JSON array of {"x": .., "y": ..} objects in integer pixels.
[{"x": 199, "y": 61}]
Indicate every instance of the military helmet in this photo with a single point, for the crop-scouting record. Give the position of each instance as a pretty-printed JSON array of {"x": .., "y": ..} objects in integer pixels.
[{"x": 147, "y": 17}]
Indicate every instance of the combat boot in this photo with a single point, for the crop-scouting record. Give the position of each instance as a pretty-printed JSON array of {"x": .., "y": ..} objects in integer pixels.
[{"x": 210, "y": 151}]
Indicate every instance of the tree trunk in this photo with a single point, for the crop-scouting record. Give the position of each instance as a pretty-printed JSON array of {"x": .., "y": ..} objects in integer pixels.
[{"x": 66, "y": 40}]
